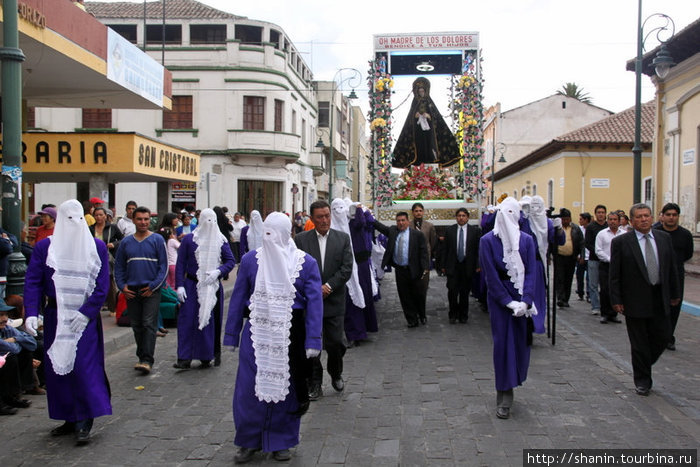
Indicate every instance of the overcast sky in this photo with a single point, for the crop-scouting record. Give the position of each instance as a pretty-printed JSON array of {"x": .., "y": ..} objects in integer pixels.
[{"x": 530, "y": 47}]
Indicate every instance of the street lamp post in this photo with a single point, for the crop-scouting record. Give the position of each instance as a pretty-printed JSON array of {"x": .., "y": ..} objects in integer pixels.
[
  {"x": 501, "y": 149},
  {"x": 662, "y": 63},
  {"x": 355, "y": 76}
]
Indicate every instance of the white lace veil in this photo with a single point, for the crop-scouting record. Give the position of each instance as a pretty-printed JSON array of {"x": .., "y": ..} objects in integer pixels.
[
  {"x": 209, "y": 240},
  {"x": 539, "y": 225},
  {"x": 279, "y": 263},
  {"x": 340, "y": 220},
  {"x": 73, "y": 257},
  {"x": 255, "y": 231},
  {"x": 507, "y": 229}
]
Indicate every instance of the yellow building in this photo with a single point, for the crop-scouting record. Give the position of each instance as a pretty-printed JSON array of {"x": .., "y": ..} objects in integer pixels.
[
  {"x": 585, "y": 167},
  {"x": 676, "y": 172}
]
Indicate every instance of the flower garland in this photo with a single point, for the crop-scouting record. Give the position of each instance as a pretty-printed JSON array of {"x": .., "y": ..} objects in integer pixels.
[
  {"x": 380, "y": 84},
  {"x": 468, "y": 110},
  {"x": 421, "y": 182}
]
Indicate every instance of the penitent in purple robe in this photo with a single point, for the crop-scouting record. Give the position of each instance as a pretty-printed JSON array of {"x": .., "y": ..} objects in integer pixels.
[
  {"x": 84, "y": 392},
  {"x": 263, "y": 425},
  {"x": 540, "y": 291},
  {"x": 511, "y": 351},
  {"x": 360, "y": 321},
  {"x": 193, "y": 343}
]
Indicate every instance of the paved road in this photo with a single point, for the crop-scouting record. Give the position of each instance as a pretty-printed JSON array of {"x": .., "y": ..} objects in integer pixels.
[{"x": 421, "y": 396}]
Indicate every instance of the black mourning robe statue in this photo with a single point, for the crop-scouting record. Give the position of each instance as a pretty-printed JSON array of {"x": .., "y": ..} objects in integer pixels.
[{"x": 425, "y": 137}]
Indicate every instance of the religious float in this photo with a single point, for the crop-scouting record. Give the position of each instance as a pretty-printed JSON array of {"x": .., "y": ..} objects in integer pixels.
[{"x": 442, "y": 166}]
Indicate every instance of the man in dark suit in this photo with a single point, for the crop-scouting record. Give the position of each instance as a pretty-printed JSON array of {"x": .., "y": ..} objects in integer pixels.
[
  {"x": 407, "y": 252},
  {"x": 460, "y": 257},
  {"x": 643, "y": 286},
  {"x": 332, "y": 251}
]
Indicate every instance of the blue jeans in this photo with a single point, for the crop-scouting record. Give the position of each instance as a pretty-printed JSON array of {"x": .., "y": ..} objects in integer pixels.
[
  {"x": 593, "y": 284},
  {"x": 143, "y": 315}
]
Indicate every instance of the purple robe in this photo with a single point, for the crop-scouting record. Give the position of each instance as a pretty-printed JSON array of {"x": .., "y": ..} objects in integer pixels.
[
  {"x": 360, "y": 321},
  {"x": 263, "y": 425},
  {"x": 243, "y": 246},
  {"x": 193, "y": 343},
  {"x": 84, "y": 392},
  {"x": 540, "y": 293},
  {"x": 511, "y": 351}
]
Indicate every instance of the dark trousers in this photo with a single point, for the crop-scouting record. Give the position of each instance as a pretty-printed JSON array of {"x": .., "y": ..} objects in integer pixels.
[
  {"x": 581, "y": 279},
  {"x": 16, "y": 375},
  {"x": 648, "y": 340},
  {"x": 459, "y": 285},
  {"x": 299, "y": 365},
  {"x": 564, "y": 267},
  {"x": 143, "y": 315},
  {"x": 236, "y": 250},
  {"x": 333, "y": 335},
  {"x": 606, "y": 308},
  {"x": 412, "y": 294},
  {"x": 676, "y": 310}
]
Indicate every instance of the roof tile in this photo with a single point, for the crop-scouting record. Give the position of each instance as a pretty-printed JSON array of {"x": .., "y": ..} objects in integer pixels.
[
  {"x": 174, "y": 9},
  {"x": 617, "y": 128}
]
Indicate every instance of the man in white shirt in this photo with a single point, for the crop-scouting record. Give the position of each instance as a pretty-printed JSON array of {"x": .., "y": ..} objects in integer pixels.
[
  {"x": 602, "y": 251},
  {"x": 238, "y": 225},
  {"x": 126, "y": 224}
]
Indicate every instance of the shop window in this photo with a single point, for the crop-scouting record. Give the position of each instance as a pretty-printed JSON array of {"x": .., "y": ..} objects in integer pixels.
[
  {"x": 180, "y": 117},
  {"x": 173, "y": 34},
  {"x": 207, "y": 34},
  {"x": 97, "y": 118},
  {"x": 127, "y": 31},
  {"x": 253, "y": 113}
]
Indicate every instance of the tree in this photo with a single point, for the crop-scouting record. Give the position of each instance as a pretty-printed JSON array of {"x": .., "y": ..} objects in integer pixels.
[{"x": 573, "y": 90}]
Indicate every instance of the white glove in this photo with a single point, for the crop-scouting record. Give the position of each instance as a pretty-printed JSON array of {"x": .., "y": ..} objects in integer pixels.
[
  {"x": 79, "y": 323},
  {"x": 532, "y": 311},
  {"x": 513, "y": 305},
  {"x": 31, "y": 325},
  {"x": 312, "y": 353},
  {"x": 212, "y": 276},
  {"x": 556, "y": 222},
  {"x": 181, "y": 294}
]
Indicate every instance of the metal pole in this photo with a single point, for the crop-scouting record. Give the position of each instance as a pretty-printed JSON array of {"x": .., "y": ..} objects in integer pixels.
[
  {"x": 493, "y": 166},
  {"x": 162, "y": 45},
  {"x": 144, "y": 25},
  {"x": 331, "y": 163},
  {"x": 637, "y": 149},
  {"x": 12, "y": 57}
]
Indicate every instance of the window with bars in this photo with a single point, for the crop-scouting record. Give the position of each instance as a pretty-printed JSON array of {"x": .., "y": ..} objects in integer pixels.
[
  {"x": 173, "y": 34},
  {"x": 97, "y": 118},
  {"x": 279, "y": 115},
  {"x": 180, "y": 116},
  {"x": 253, "y": 113}
]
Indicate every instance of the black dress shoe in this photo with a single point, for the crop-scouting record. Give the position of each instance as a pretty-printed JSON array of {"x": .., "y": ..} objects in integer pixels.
[
  {"x": 205, "y": 364},
  {"x": 671, "y": 346},
  {"x": 423, "y": 320},
  {"x": 565, "y": 305},
  {"x": 642, "y": 391},
  {"x": 503, "y": 412},
  {"x": 82, "y": 436},
  {"x": 7, "y": 410},
  {"x": 282, "y": 456},
  {"x": 65, "y": 429},
  {"x": 217, "y": 360},
  {"x": 18, "y": 403},
  {"x": 315, "y": 393},
  {"x": 302, "y": 409},
  {"x": 182, "y": 365},
  {"x": 338, "y": 384},
  {"x": 560, "y": 304},
  {"x": 244, "y": 455}
]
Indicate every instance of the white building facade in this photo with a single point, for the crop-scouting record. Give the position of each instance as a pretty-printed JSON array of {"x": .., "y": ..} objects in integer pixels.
[{"x": 242, "y": 98}]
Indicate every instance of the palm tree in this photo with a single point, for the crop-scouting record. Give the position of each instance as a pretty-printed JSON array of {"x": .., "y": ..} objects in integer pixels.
[{"x": 573, "y": 90}]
